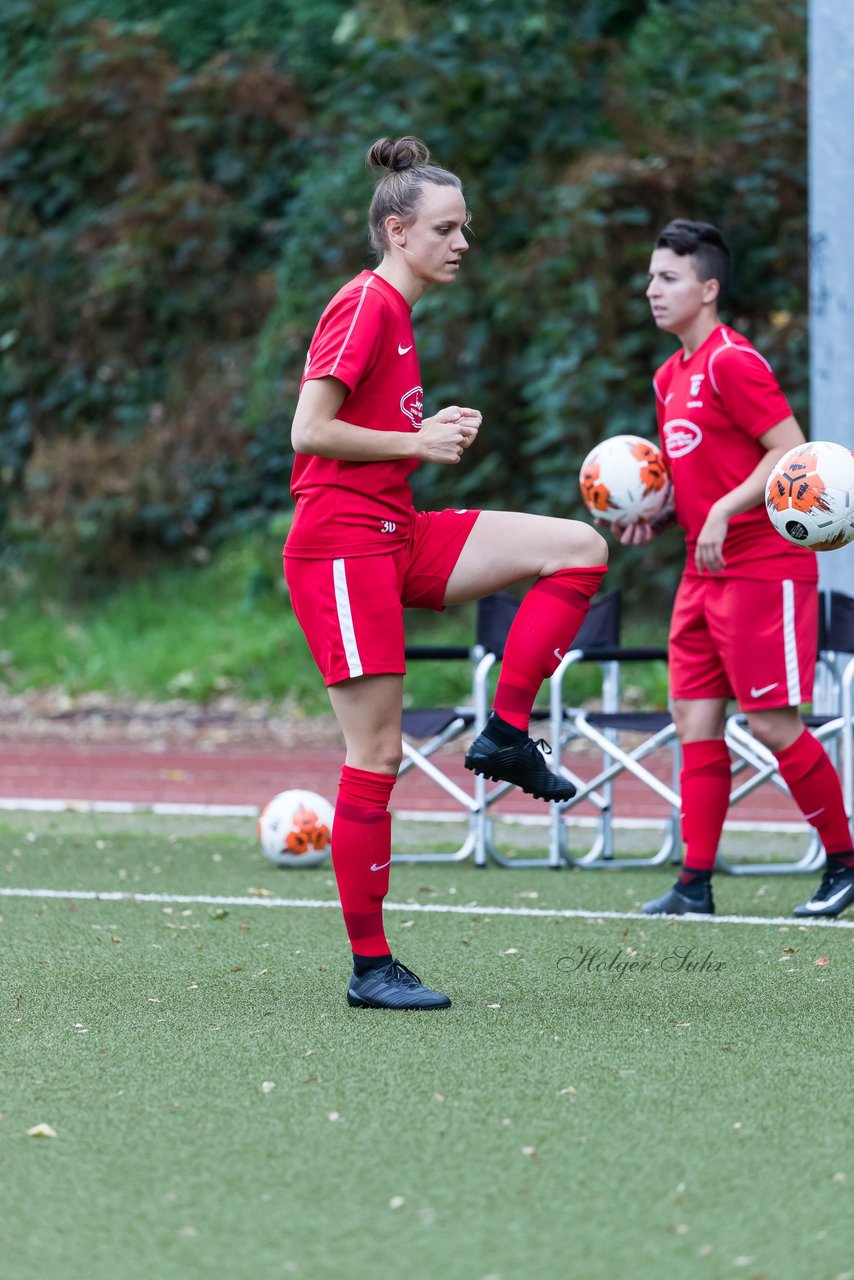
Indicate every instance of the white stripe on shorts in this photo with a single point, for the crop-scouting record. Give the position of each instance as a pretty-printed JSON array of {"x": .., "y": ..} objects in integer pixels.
[
  {"x": 345, "y": 617},
  {"x": 790, "y": 647}
]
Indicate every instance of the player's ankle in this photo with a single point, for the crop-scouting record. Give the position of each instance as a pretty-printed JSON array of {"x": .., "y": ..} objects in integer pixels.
[{"x": 499, "y": 730}]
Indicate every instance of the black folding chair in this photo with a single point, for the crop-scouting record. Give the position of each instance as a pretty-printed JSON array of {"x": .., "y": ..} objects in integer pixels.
[
  {"x": 427, "y": 730},
  {"x": 599, "y": 642}
]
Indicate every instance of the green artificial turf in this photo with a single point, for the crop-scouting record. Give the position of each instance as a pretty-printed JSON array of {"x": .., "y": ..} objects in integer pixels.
[{"x": 221, "y": 1112}]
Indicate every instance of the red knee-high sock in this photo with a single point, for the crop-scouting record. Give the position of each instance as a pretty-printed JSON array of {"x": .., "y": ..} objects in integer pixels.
[
  {"x": 542, "y": 631},
  {"x": 705, "y": 784},
  {"x": 809, "y": 774},
  {"x": 361, "y": 855}
]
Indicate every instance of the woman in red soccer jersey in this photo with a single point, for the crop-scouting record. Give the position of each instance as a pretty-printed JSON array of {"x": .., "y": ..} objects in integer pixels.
[
  {"x": 358, "y": 552},
  {"x": 745, "y": 619}
]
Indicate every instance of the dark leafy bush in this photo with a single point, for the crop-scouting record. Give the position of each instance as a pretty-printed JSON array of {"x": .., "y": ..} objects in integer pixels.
[{"x": 178, "y": 199}]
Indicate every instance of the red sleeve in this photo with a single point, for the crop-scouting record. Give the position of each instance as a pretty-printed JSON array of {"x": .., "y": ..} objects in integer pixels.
[
  {"x": 347, "y": 339},
  {"x": 748, "y": 388}
]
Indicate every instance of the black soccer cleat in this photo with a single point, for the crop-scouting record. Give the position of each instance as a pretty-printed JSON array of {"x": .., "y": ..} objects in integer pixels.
[
  {"x": 833, "y": 895},
  {"x": 393, "y": 987},
  {"x": 677, "y": 903},
  {"x": 521, "y": 763}
]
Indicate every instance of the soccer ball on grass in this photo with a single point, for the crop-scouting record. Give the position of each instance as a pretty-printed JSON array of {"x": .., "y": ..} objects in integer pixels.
[{"x": 295, "y": 829}]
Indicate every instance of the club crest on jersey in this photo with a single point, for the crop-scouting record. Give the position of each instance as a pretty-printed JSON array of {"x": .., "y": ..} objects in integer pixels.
[
  {"x": 697, "y": 379},
  {"x": 412, "y": 405},
  {"x": 680, "y": 437}
]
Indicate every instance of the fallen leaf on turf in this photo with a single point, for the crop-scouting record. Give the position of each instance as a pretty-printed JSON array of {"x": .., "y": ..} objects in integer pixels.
[
  {"x": 333, "y": 1116},
  {"x": 268, "y": 1086},
  {"x": 396, "y": 1202},
  {"x": 570, "y": 1088},
  {"x": 529, "y": 1151},
  {"x": 114, "y": 937},
  {"x": 259, "y": 893},
  {"x": 837, "y": 1177},
  {"x": 493, "y": 1006},
  {"x": 822, "y": 960},
  {"x": 42, "y": 1131}
]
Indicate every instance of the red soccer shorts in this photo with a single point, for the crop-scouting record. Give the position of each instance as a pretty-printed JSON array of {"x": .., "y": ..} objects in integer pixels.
[
  {"x": 754, "y": 641},
  {"x": 351, "y": 609}
]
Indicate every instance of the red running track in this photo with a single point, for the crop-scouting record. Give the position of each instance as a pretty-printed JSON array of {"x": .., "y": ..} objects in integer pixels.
[{"x": 249, "y": 777}]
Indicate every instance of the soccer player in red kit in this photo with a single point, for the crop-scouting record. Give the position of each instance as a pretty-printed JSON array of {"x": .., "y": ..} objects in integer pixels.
[
  {"x": 358, "y": 552},
  {"x": 745, "y": 618}
]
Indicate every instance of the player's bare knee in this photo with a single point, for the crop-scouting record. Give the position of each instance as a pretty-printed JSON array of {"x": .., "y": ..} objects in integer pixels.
[
  {"x": 389, "y": 760},
  {"x": 774, "y": 729},
  {"x": 590, "y": 547}
]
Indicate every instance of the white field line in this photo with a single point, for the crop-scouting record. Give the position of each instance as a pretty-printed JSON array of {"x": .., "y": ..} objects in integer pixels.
[
  {"x": 27, "y": 804},
  {"x": 412, "y": 908}
]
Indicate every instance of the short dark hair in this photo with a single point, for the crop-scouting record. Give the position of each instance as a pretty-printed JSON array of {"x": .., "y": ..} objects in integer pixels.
[{"x": 703, "y": 242}]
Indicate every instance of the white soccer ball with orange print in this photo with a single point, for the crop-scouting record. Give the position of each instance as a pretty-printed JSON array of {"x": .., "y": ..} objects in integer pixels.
[
  {"x": 295, "y": 829},
  {"x": 625, "y": 478},
  {"x": 809, "y": 495}
]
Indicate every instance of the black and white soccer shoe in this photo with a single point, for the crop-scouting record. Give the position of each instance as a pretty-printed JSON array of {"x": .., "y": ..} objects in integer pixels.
[
  {"x": 522, "y": 763},
  {"x": 678, "y": 903},
  {"x": 833, "y": 895},
  {"x": 392, "y": 987}
]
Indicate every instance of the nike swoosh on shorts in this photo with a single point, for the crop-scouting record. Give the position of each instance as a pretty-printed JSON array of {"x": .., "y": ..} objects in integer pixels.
[{"x": 766, "y": 688}]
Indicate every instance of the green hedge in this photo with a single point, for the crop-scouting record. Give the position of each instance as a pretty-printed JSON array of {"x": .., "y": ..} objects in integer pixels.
[{"x": 180, "y": 196}]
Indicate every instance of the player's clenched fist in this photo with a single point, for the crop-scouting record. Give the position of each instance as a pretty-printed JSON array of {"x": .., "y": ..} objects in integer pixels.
[{"x": 443, "y": 437}]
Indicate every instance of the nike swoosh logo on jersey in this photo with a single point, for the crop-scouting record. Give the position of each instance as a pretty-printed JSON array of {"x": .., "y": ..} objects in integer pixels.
[
  {"x": 766, "y": 688},
  {"x": 401, "y": 351},
  {"x": 378, "y": 867}
]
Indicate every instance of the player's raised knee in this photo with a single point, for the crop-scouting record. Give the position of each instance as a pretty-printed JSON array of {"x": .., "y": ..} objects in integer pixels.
[{"x": 589, "y": 547}]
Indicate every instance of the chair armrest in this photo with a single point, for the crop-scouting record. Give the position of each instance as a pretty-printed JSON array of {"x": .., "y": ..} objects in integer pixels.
[
  {"x": 607, "y": 653},
  {"x": 438, "y": 652}
]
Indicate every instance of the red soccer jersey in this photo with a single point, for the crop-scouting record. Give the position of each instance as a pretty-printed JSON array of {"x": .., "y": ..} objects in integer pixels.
[
  {"x": 364, "y": 339},
  {"x": 712, "y": 409}
]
